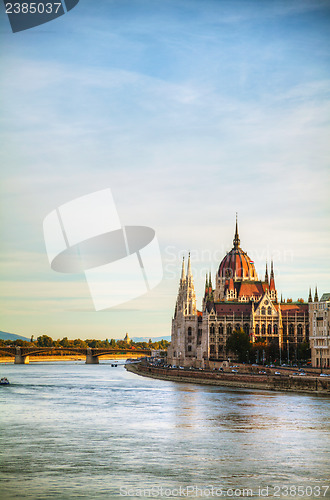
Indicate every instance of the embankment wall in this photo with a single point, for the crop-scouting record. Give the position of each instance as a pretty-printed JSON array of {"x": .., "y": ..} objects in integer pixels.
[{"x": 307, "y": 384}]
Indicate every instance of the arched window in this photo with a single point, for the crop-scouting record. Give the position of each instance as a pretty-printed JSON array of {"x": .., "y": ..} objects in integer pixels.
[
  {"x": 269, "y": 310},
  {"x": 299, "y": 329},
  {"x": 237, "y": 328},
  {"x": 229, "y": 329},
  {"x": 189, "y": 348},
  {"x": 291, "y": 329},
  {"x": 263, "y": 311},
  {"x": 212, "y": 348},
  {"x": 257, "y": 330},
  {"x": 189, "y": 331},
  {"x": 212, "y": 330},
  {"x": 263, "y": 330},
  {"x": 269, "y": 329},
  {"x": 275, "y": 330},
  {"x": 246, "y": 328},
  {"x": 221, "y": 329}
]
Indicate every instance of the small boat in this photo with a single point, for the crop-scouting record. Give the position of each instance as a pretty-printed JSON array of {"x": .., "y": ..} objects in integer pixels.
[{"x": 4, "y": 381}]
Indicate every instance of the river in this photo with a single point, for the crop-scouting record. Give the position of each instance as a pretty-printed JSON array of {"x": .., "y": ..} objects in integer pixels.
[{"x": 70, "y": 430}]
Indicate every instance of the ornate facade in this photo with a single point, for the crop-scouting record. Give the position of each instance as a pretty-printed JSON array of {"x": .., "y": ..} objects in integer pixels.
[
  {"x": 319, "y": 317},
  {"x": 239, "y": 300}
]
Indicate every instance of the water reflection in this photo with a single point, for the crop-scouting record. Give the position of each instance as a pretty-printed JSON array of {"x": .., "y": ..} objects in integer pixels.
[{"x": 84, "y": 431}]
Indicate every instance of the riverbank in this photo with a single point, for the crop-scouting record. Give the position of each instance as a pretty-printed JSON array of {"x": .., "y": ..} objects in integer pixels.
[{"x": 288, "y": 383}]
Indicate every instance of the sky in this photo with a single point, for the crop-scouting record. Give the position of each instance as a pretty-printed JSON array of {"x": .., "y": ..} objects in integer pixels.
[{"x": 189, "y": 111}]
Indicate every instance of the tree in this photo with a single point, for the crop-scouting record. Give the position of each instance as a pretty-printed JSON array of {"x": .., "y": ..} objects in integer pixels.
[
  {"x": 45, "y": 341},
  {"x": 65, "y": 342},
  {"x": 239, "y": 343},
  {"x": 304, "y": 352}
]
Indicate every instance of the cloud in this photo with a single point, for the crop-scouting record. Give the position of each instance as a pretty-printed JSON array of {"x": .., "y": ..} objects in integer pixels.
[{"x": 189, "y": 114}]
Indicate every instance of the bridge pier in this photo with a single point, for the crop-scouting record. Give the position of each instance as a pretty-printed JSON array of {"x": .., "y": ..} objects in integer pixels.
[
  {"x": 90, "y": 359},
  {"x": 20, "y": 359}
]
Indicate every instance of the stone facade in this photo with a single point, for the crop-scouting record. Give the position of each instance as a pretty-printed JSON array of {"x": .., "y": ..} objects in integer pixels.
[
  {"x": 319, "y": 321},
  {"x": 239, "y": 300}
]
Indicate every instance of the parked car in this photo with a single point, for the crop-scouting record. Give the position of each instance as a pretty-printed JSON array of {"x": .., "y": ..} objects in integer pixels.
[{"x": 277, "y": 373}]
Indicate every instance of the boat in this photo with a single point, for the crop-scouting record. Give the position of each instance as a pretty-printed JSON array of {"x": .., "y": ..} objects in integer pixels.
[{"x": 4, "y": 381}]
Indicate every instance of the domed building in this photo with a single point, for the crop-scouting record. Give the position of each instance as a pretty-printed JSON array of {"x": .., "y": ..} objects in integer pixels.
[{"x": 239, "y": 301}]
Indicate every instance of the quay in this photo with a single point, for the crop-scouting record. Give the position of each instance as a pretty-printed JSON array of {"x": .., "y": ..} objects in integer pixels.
[{"x": 289, "y": 383}]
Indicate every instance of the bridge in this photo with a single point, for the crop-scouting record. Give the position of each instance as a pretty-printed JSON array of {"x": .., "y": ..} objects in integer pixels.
[{"x": 22, "y": 354}]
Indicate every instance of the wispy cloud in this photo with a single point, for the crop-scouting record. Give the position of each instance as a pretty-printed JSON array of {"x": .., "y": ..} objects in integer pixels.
[{"x": 189, "y": 113}]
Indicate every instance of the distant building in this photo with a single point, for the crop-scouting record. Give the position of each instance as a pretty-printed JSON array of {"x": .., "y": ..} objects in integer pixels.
[
  {"x": 239, "y": 300},
  {"x": 127, "y": 339},
  {"x": 319, "y": 321}
]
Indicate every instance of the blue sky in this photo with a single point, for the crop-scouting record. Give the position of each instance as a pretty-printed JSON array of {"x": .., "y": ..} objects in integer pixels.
[{"x": 189, "y": 111}]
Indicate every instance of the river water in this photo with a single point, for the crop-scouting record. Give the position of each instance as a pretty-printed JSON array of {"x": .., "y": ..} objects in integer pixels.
[{"x": 70, "y": 430}]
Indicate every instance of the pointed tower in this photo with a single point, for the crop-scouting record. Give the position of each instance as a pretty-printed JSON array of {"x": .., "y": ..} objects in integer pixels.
[
  {"x": 189, "y": 295},
  {"x": 236, "y": 240},
  {"x": 272, "y": 289},
  {"x": 210, "y": 288},
  {"x": 310, "y": 298},
  {"x": 316, "y": 297},
  {"x": 183, "y": 274},
  {"x": 184, "y": 322},
  {"x": 182, "y": 285},
  {"x": 266, "y": 274}
]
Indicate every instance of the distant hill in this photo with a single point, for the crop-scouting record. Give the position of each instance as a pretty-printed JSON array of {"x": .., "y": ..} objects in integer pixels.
[
  {"x": 153, "y": 339},
  {"x": 13, "y": 336}
]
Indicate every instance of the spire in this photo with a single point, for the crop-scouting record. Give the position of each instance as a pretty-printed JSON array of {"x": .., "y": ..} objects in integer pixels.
[
  {"x": 189, "y": 274},
  {"x": 210, "y": 280},
  {"x": 316, "y": 297},
  {"x": 281, "y": 298},
  {"x": 266, "y": 273},
  {"x": 272, "y": 279},
  {"x": 183, "y": 275},
  {"x": 236, "y": 240},
  {"x": 206, "y": 294},
  {"x": 310, "y": 298}
]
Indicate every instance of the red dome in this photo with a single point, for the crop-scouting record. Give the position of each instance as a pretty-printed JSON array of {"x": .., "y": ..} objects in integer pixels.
[{"x": 237, "y": 264}]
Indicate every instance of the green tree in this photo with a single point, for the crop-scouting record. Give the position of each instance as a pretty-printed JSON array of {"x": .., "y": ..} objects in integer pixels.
[
  {"x": 45, "y": 341},
  {"x": 239, "y": 343},
  {"x": 79, "y": 343},
  {"x": 304, "y": 352},
  {"x": 65, "y": 342}
]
